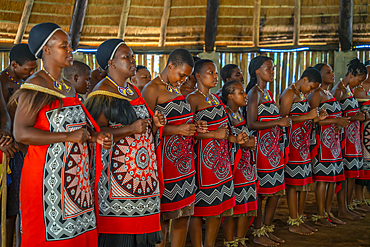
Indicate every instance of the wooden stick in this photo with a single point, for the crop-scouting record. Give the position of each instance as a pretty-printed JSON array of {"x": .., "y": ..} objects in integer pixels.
[
  {"x": 152, "y": 66},
  {"x": 284, "y": 74},
  {"x": 297, "y": 62},
  {"x": 164, "y": 22},
  {"x": 3, "y": 200},
  {"x": 210, "y": 32},
  {"x": 297, "y": 21},
  {"x": 77, "y": 21},
  {"x": 278, "y": 76},
  {"x": 256, "y": 22},
  {"x": 291, "y": 69},
  {"x": 24, "y": 21},
  {"x": 123, "y": 20}
]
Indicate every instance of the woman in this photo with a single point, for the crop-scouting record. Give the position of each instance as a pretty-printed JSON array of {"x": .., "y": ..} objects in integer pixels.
[
  {"x": 327, "y": 165},
  {"x": 56, "y": 184},
  {"x": 264, "y": 120},
  {"x": 298, "y": 172},
  {"x": 242, "y": 165},
  {"x": 128, "y": 206},
  {"x": 352, "y": 151},
  {"x": 212, "y": 163}
]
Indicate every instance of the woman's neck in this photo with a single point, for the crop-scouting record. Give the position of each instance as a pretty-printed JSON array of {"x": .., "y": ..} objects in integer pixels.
[
  {"x": 261, "y": 83},
  {"x": 233, "y": 107},
  {"x": 203, "y": 88},
  {"x": 324, "y": 85},
  {"x": 119, "y": 79},
  {"x": 345, "y": 81},
  {"x": 54, "y": 71}
]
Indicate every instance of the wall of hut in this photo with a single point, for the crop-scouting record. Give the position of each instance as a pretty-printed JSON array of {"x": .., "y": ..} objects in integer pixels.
[{"x": 288, "y": 65}]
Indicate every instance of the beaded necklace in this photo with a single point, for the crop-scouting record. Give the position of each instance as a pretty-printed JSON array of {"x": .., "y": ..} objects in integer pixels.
[
  {"x": 58, "y": 85},
  {"x": 209, "y": 101},
  {"x": 122, "y": 90},
  {"x": 12, "y": 79},
  {"x": 301, "y": 95},
  {"x": 169, "y": 87},
  {"x": 235, "y": 115},
  {"x": 264, "y": 94}
]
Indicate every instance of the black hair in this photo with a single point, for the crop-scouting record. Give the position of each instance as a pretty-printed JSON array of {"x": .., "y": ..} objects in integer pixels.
[
  {"x": 181, "y": 56},
  {"x": 227, "y": 70},
  {"x": 139, "y": 67},
  {"x": 319, "y": 66},
  {"x": 254, "y": 65},
  {"x": 21, "y": 54},
  {"x": 356, "y": 67},
  {"x": 367, "y": 63},
  {"x": 196, "y": 59},
  {"x": 228, "y": 89},
  {"x": 312, "y": 74},
  {"x": 199, "y": 65},
  {"x": 77, "y": 68},
  {"x": 114, "y": 109}
]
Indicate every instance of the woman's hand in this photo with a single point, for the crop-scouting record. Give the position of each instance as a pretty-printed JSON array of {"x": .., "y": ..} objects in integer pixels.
[
  {"x": 201, "y": 126},
  {"x": 105, "y": 139},
  {"x": 78, "y": 136},
  {"x": 140, "y": 126},
  {"x": 159, "y": 119}
]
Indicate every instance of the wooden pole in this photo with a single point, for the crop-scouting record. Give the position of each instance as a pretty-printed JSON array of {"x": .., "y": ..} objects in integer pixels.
[
  {"x": 77, "y": 22},
  {"x": 3, "y": 200},
  {"x": 345, "y": 24},
  {"x": 24, "y": 21},
  {"x": 164, "y": 22},
  {"x": 211, "y": 24},
  {"x": 256, "y": 22},
  {"x": 123, "y": 20},
  {"x": 297, "y": 21}
]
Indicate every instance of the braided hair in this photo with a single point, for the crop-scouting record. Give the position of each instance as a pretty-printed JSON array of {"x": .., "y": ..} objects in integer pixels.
[
  {"x": 254, "y": 65},
  {"x": 226, "y": 71},
  {"x": 228, "y": 89},
  {"x": 356, "y": 67}
]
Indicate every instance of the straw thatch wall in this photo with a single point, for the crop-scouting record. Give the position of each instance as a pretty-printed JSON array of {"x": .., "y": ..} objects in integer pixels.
[{"x": 186, "y": 23}]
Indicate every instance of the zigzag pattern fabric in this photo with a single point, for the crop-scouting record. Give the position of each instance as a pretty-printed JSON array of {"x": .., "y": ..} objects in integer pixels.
[
  {"x": 214, "y": 181},
  {"x": 327, "y": 165},
  {"x": 244, "y": 172},
  {"x": 176, "y": 157},
  {"x": 269, "y": 154},
  {"x": 298, "y": 169},
  {"x": 365, "y": 139},
  {"x": 352, "y": 151}
]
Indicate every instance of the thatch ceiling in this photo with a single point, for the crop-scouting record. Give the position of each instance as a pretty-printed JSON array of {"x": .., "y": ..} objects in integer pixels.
[{"x": 186, "y": 24}]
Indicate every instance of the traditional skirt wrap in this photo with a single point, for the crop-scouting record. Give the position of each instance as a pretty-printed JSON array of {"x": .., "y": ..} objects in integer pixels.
[
  {"x": 365, "y": 137},
  {"x": 57, "y": 195},
  {"x": 298, "y": 171},
  {"x": 214, "y": 181},
  {"x": 269, "y": 154},
  {"x": 129, "y": 197},
  {"x": 244, "y": 173},
  {"x": 175, "y": 154},
  {"x": 352, "y": 151},
  {"x": 327, "y": 165}
]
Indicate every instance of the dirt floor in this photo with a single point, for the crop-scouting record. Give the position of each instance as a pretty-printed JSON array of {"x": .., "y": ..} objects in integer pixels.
[{"x": 353, "y": 234}]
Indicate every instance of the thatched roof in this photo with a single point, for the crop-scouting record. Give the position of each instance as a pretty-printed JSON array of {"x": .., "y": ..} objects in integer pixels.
[{"x": 186, "y": 23}]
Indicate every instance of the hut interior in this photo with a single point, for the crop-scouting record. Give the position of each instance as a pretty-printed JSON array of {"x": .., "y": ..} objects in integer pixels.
[{"x": 296, "y": 33}]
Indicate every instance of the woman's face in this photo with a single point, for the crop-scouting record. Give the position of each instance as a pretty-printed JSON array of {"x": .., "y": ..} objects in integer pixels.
[
  {"x": 59, "y": 48},
  {"x": 354, "y": 81},
  {"x": 124, "y": 61},
  {"x": 237, "y": 75},
  {"x": 266, "y": 71},
  {"x": 238, "y": 96},
  {"x": 327, "y": 74},
  {"x": 208, "y": 75},
  {"x": 308, "y": 86}
]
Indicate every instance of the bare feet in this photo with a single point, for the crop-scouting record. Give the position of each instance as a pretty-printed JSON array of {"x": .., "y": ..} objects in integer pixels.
[
  {"x": 312, "y": 229},
  {"x": 324, "y": 222},
  {"x": 349, "y": 215},
  {"x": 301, "y": 230},
  {"x": 264, "y": 241},
  {"x": 276, "y": 239},
  {"x": 336, "y": 220},
  {"x": 363, "y": 208},
  {"x": 358, "y": 213}
]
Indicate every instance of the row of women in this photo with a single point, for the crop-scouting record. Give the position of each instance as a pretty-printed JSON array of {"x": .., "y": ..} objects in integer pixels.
[{"x": 127, "y": 167}]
